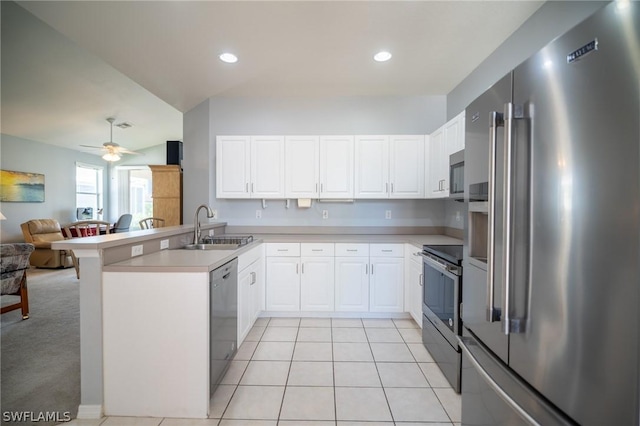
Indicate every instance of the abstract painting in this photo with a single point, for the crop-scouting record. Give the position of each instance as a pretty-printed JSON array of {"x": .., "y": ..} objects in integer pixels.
[{"x": 21, "y": 187}]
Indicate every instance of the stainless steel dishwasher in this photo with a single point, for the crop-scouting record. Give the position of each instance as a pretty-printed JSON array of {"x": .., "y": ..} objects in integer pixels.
[{"x": 223, "y": 327}]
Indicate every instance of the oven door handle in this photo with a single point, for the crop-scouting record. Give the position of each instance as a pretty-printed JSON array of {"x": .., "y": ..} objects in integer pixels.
[{"x": 441, "y": 267}]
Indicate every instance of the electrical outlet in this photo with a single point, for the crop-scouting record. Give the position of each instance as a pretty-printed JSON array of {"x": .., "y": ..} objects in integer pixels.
[
  {"x": 258, "y": 214},
  {"x": 325, "y": 214},
  {"x": 458, "y": 217},
  {"x": 136, "y": 250},
  {"x": 215, "y": 215},
  {"x": 211, "y": 232},
  {"x": 164, "y": 244},
  {"x": 387, "y": 214}
]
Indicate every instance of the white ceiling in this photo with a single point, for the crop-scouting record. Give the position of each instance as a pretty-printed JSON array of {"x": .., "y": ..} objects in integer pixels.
[{"x": 147, "y": 62}]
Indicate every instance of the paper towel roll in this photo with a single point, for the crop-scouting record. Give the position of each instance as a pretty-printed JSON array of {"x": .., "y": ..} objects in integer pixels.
[{"x": 304, "y": 203}]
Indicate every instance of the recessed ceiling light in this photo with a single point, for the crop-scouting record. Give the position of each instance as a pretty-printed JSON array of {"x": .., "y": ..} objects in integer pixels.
[
  {"x": 229, "y": 58},
  {"x": 382, "y": 56}
]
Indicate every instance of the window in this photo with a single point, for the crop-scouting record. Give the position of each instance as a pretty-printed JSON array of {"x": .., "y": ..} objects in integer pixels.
[
  {"x": 134, "y": 192},
  {"x": 89, "y": 187}
]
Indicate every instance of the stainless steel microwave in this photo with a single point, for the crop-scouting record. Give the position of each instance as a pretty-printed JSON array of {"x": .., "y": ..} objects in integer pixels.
[{"x": 456, "y": 175}]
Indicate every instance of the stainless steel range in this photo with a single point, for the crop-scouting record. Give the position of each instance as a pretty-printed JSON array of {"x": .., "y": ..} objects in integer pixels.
[{"x": 441, "y": 298}]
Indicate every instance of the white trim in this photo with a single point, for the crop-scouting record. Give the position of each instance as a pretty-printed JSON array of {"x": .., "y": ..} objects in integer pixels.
[{"x": 90, "y": 411}]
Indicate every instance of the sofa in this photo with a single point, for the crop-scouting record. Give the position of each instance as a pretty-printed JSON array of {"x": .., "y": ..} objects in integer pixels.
[{"x": 41, "y": 233}]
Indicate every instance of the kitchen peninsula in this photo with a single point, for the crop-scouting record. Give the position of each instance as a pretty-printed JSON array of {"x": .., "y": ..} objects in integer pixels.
[{"x": 153, "y": 289}]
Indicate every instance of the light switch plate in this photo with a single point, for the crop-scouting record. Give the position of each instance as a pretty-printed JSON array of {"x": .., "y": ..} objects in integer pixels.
[
  {"x": 387, "y": 214},
  {"x": 258, "y": 214}
]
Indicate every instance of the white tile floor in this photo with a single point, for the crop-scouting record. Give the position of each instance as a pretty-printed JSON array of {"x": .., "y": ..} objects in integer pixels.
[{"x": 321, "y": 371}]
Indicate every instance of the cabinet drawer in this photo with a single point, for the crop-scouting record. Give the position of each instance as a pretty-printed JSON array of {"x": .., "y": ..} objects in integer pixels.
[
  {"x": 283, "y": 249},
  {"x": 317, "y": 249},
  {"x": 387, "y": 250},
  {"x": 343, "y": 249}
]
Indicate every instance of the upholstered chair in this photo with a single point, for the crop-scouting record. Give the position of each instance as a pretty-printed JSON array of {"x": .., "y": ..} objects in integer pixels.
[
  {"x": 41, "y": 233},
  {"x": 14, "y": 262}
]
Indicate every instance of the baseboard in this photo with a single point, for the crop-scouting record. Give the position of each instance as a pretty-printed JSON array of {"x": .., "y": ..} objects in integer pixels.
[{"x": 90, "y": 411}]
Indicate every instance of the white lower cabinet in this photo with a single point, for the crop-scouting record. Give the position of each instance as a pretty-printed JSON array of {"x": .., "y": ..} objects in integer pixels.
[
  {"x": 413, "y": 283},
  {"x": 386, "y": 284},
  {"x": 250, "y": 290},
  {"x": 317, "y": 284},
  {"x": 283, "y": 284},
  {"x": 282, "y": 276},
  {"x": 352, "y": 284}
]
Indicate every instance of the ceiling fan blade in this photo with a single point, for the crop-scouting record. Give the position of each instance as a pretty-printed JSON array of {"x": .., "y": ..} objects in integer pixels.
[
  {"x": 126, "y": 151},
  {"x": 91, "y": 146}
]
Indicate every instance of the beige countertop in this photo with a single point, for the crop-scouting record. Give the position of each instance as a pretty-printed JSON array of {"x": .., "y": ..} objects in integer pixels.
[{"x": 207, "y": 260}]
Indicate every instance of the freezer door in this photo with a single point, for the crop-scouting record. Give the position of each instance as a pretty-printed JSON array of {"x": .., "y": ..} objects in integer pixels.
[
  {"x": 576, "y": 295},
  {"x": 477, "y": 285}
]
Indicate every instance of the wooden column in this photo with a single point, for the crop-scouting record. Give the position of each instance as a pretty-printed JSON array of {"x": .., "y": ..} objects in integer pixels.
[{"x": 167, "y": 193}]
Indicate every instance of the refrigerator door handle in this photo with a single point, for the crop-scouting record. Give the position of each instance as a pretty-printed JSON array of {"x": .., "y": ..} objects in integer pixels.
[
  {"x": 509, "y": 324},
  {"x": 497, "y": 120},
  {"x": 495, "y": 386}
]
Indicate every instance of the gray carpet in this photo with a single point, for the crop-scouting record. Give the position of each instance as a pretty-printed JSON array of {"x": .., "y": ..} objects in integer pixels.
[{"x": 40, "y": 357}]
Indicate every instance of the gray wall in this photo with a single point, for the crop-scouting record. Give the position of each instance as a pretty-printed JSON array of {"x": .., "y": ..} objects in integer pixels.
[
  {"x": 553, "y": 19},
  {"x": 295, "y": 116},
  {"x": 59, "y": 168}
]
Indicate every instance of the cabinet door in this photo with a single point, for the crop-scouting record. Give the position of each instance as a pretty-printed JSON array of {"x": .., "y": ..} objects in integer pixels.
[
  {"x": 267, "y": 167},
  {"x": 302, "y": 173},
  {"x": 244, "y": 303},
  {"x": 256, "y": 289},
  {"x": 283, "y": 284},
  {"x": 352, "y": 284},
  {"x": 336, "y": 167},
  {"x": 372, "y": 167},
  {"x": 413, "y": 287},
  {"x": 435, "y": 169},
  {"x": 317, "y": 284},
  {"x": 387, "y": 284},
  {"x": 232, "y": 166},
  {"x": 406, "y": 166},
  {"x": 454, "y": 134}
]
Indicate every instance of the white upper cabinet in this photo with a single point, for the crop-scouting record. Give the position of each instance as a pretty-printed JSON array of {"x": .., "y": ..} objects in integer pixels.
[
  {"x": 389, "y": 166},
  {"x": 267, "y": 167},
  {"x": 406, "y": 166},
  {"x": 250, "y": 167},
  {"x": 442, "y": 143},
  {"x": 233, "y": 171},
  {"x": 336, "y": 167},
  {"x": 302, "y": 171},
  {"x": 372, "y": 167}
]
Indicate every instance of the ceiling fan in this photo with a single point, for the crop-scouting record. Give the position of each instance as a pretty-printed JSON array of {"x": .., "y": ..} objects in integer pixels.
[{"x": 112, "y": 151}]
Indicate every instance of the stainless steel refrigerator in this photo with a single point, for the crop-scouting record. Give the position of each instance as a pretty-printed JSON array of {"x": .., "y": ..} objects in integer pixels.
[{"x": 550, "y": 302}]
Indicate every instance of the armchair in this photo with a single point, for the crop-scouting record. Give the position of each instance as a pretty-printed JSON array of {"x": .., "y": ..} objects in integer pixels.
[
  {"x": 14, "y": 262},
  {"x": 41, "y": 233}
]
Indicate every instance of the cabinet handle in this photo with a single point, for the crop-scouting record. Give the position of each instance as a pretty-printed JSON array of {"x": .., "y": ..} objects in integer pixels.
[
  {"x": 316, "y": 250},
  {"x": 386, "y": 187},
  {"x": 282, "y": 249},
  {"x": 252, "y": 187},
  {"x": 417, "y": 253},
  {"x": 366, "y": 271},
  {"x": 303, "y": 268},
  {"x": 386, "y": 251},
  {"x": 297, "y": 268},
  {"x": 353, "y": 250},
  {"x": 421, "y": 280},
  {"x": 321, "y": 187},
  {"x": 372, "y": 269},
  {"x": 316, "y": 187},
  {"x": 246, "y": 187},
  {"x": 253, "y": 278},
  {"x": 391, "y": 187}
]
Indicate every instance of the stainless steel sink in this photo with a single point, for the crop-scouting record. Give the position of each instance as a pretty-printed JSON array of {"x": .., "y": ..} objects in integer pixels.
[{"x": 202, "y": 246}]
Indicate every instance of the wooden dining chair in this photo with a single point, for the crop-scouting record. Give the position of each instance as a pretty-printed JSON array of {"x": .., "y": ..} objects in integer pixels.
[
  {"x": 84, "y": 228},
  {"x": 151, "y": 222}
]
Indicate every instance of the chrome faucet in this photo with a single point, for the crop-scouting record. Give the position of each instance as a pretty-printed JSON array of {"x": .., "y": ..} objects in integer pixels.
[{"x": 196, "y": 222}]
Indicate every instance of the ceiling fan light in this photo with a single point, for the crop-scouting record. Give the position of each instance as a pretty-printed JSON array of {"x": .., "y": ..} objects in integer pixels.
[{"x": 111, "y": 156}]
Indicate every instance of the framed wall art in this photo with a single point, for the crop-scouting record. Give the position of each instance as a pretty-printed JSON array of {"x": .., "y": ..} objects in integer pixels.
[{"x": 21, "y": 187}]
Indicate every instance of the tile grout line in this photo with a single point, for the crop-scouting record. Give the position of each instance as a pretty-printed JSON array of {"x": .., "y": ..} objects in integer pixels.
[{"x": 375, "y": 363}]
